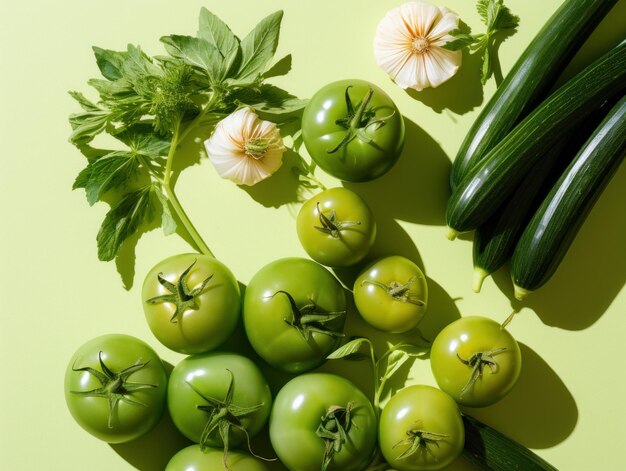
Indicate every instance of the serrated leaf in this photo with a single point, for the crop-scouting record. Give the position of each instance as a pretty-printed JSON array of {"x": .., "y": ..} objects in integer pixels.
[
  {"x": 114, "y": 170},
  {"x": 112, "y": 89},
  {"x": 482, "y": 6},
  {"x": 88, "y": 123},
  {"x": 505, "y": 19},
  {"x": 460, "y": 40},
  {"x": 123, "y": 220},
  {"x": 273, "y": 100},
  {"x": 196, "y": 52},
  {"x": 213, "y": 30},
  {"x": 84, "y": 103},
  {"x": 137, "y": 65},
  {"x": 167, "y": 219},
  {"x": 349, "y": 348},
  {"x": 142, "y": 139},
  {"x": 110, "y": 62},
  {"x": 258, "y": 48}
]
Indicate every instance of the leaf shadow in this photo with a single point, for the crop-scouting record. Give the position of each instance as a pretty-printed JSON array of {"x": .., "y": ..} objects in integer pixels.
[
  {"x": 535, "y": 416},
  {"x": 416, "y": 189},
  {"x": 460, "y": 94},
  {"x": 592, "y": 273},
  {"x": 153, "y": 451}
]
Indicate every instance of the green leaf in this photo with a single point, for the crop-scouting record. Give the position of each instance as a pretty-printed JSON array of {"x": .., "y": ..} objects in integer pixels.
[
  {"x": 197, "y": 53},
  {"x": 138, "y": 65},
  {"x": 123, "y": 220},
  {"x": 272, "y": 100},
  {"x": 110, "y": 62},
  {"x": 88, "y": 123},
  {"x": 167, "y": 219},
  {"x": 114, "y": 170},
  {"x": 482, "y": 6},
  {"x": 349, "y": 349},
  {"x": 258, "y": 48},
  {"x": 282, "y": 67},
  {"x": 142, "y": 139},
  {"x": 460, "y": 41},
  {"x": 505, "y": 19},
  {"x": 485, "y": 71},
  {"x": 398, "y": 355},
  {"x": 213, "y": 30}
]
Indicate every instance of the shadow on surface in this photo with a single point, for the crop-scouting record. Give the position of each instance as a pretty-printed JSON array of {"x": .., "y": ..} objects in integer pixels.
[
  {"x": 461, "y": 94},
  {"x": 539, "y": 412},
  {"x": 416, "y": 189},
  {"x": 593, "y": 271}
]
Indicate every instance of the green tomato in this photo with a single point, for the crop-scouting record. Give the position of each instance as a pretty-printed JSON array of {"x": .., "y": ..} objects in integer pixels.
[
  {"x": 353, "y": 130},
  {"x": 191, "y": 302},
  {"x": 476, "y": 361},
  {"x": 391, "y": 294},
  {"x": 294, "y": 312},
  {"x": 336, "y": 227},
  {"x": 194, "y": 458},
  {"x": 218, "y": 399},
  {"x": 115, "y": 387},
  {"x": 320, "y": 417},
  {"x": 421, "y": 429}
]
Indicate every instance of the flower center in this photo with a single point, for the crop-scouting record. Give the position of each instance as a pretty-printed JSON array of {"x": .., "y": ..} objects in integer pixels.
[
  {"x": 256, "y": 148},
  {"x": 420, "y": 45}
]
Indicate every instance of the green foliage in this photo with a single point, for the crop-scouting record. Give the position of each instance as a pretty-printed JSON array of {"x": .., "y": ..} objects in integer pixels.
[
  {"x": 497, "y": 17},
  {"x": 149, "y": 103}
]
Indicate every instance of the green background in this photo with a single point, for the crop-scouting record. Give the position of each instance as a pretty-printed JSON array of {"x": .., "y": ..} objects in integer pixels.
[{"x": 55, "y": 294}]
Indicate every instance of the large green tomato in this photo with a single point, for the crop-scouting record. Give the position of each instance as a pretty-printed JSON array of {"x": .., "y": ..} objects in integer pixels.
[
  {"x": 115, "y": 387},
  {"x": 191, "y": 302},
  {"x": 420, "y": 429},
  {"x": 336, "y": 227},
  {"x": 391, "y": 294},
  {"x": 194, "y": 458},
  {"x": 218, "y": 397},
  {"x": 353, "y": 130},
  {"x": 294, "y": 311},
  {"x": 320, "y": 418},
  {"x": 476, "y": 361}
]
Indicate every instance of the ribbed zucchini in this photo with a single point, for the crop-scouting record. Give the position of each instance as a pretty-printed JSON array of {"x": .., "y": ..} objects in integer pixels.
[
  {"x": 495, "y": 177},
  {"x": 495, "y": 240},
  {"x": 489, "y": 450},
  {"x": 530, "y": 79},
  {"x": 552, "y": 229}
]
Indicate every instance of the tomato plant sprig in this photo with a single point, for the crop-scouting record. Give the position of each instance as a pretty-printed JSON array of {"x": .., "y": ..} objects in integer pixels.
[{"x": 151, "y": 105}]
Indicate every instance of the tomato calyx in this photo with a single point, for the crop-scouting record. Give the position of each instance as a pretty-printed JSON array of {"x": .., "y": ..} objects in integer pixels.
[
  {"x": 224, "y": 416},
  {"x": 399, "y": 291},
  {"x": 180, "y": 295},
  {"x": 331, "y": 225},
  {"x": 309, "y": 319},
  {"x": 115, "y": 386},
  {"x": 477, "y": 362},
  {"x": 419, "y": 440},
  {"x": 359, "y": 119},
  {"x": 333, "y": 429}
]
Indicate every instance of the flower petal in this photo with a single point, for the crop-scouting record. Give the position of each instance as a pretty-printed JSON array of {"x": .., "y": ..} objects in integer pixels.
[
  {"x": 441, "y": 64},
  {"x": 449, "y": 21}
]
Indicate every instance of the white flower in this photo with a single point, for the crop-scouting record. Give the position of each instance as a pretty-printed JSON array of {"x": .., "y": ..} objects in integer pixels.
[
  {"x": 244, "y": 148},
  {"x": 408, "y": 45}
]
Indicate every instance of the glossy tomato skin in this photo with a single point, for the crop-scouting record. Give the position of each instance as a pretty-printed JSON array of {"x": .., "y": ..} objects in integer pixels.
[
  {"x": 265, "y": 311},
  {"x": 203, "y": 326},
  {"x": 383, "y": 310},
  {"x": 460, "y": 340},
  {"x": 359, "y": 160},
  {"x": 194, "y": 458},
  {"x": 129, "y": 420},
  {"x": 336, "y": 249},
  {"x": 210, "y": 374},
  {"x": 297, "y": 413},
  {"x": 425, "y": 408}
]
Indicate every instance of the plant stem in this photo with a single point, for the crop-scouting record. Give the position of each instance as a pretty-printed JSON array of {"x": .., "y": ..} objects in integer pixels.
[{"x": 180, "y": 212}]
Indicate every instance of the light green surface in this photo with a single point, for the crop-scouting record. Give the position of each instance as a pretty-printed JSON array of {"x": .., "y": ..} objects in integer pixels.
[{"x": 569, "y": 403}]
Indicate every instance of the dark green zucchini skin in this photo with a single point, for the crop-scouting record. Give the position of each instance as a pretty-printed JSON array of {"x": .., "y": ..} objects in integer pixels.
[
  {"x": 495, "y": 177},
  {"x": 552, "y": 229},
  {"x": 490, "y": 450},
  {"x": 530, "y": 79},
  {"x": 495, "y": 240}
]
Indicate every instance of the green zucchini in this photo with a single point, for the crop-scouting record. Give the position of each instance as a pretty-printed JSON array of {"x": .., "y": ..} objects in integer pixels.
[
  {"x": 495, "y": 177},
  {"x": 530, "y": 79},
  {"x": 552, "y": 229},
  {"x": 490, "y": 450},
  {"x": 495, "y": 240}
]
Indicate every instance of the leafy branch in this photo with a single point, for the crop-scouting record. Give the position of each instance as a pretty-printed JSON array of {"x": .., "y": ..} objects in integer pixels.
[
  {"x": 496, "y": 17},
  {"x": 150, "y": 105}
]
